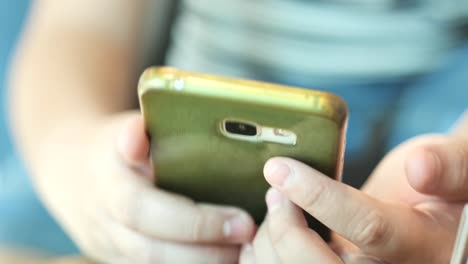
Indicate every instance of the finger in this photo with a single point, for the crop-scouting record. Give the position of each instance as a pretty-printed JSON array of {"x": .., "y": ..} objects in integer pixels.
[
  {"x": 440, "y": 167},
  {"x": 133, "y": 144},
  {"x": 247, "y": 255},
  {"x": 136, "y": 248},
  {"x": 383, "y": 230},
  {"x": 290, "y": 236},
  {"x": 361, "y": 259},
  {"x": 262, "y": 247},
  {"x": 164, "y": 215},
  {"x": 341, "y": 246}
]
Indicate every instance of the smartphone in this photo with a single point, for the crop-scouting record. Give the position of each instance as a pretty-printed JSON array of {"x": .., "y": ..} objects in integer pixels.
[{"x": 211, "y": 135}]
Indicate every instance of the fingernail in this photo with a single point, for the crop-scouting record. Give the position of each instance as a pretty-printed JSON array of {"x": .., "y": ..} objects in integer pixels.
[
  {"x": 236, "y": 226},
  {"x": 274, "y": 199},
  {"x": 423, "y": 170},
  {"x": 276, "y": 173}
]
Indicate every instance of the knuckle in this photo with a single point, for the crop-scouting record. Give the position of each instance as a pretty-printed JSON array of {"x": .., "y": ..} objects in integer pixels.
[
  {"x": 156, "y": 253},
  {"x": 195, "y": 228},
  {"x": 279, "y": 238},
  {"x": 136, "y": 248},
  {"x": 463, "y": 162},
  {"x": 285, "y": 237},
  {"x": 131, "y": 208},
  {"x": 373, "y": 231},
  {"x": 109, "y": 248},
  {"x": 454, "y": 167},
  {"x": 309, "y": 196}
]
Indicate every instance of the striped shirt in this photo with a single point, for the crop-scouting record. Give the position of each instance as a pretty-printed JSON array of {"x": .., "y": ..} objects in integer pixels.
[{"x": 315, "y": 41}]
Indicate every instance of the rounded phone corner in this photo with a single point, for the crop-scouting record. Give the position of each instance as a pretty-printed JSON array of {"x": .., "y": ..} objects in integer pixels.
[{"x": 156, "y": 79}]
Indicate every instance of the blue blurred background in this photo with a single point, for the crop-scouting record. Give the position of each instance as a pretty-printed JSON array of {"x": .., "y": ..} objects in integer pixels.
[
  {"x": 11, "y": 19},
  {"x": 24, "y": 223}
]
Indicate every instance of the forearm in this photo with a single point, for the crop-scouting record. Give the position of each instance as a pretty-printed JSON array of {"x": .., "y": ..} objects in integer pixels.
[
  {"x": 67, "y": 75},
  {"x": 59, "y": 79}
]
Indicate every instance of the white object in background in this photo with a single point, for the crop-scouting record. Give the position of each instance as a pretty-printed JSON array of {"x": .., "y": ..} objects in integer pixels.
[{"x": 460, "y": 251}]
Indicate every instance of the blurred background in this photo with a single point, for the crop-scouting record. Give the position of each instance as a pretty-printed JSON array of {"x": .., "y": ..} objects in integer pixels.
[{"x": 29, "y": 225}]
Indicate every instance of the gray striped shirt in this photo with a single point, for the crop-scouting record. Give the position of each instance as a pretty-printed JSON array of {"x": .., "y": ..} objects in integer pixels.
[{"x": 316, "y": 40}]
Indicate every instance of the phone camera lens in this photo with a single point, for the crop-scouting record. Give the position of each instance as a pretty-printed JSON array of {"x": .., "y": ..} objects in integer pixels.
[{"x": 240, "y": 128}]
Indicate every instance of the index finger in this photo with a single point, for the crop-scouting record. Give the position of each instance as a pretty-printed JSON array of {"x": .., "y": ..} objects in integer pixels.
[
  {"x": 377, "y": 228},
  {"x": 290, "y": 236}
]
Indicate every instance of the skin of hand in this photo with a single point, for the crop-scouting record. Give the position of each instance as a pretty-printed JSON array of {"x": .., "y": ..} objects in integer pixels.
[
  {"x": 72, "y": 85},
  {"x": 114, "y": 212},
  {"x": 408, "y": 212}
]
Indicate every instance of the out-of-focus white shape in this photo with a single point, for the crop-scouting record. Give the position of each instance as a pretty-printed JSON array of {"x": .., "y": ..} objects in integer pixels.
[{"x": 460, "y": 251}]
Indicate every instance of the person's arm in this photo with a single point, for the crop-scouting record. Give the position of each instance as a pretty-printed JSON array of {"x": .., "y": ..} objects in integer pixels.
[
  {"x": 73, "y": 81},
  {"x": 75, "y": 64}
]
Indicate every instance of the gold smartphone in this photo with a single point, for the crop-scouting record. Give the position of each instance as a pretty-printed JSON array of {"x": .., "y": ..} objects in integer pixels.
[{"x": 211, "y": 135}]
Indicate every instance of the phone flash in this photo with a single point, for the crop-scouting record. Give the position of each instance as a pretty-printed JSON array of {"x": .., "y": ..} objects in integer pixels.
[
  {"x": 277, "y": 135},
  {"x": 178, "y": 84}
]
